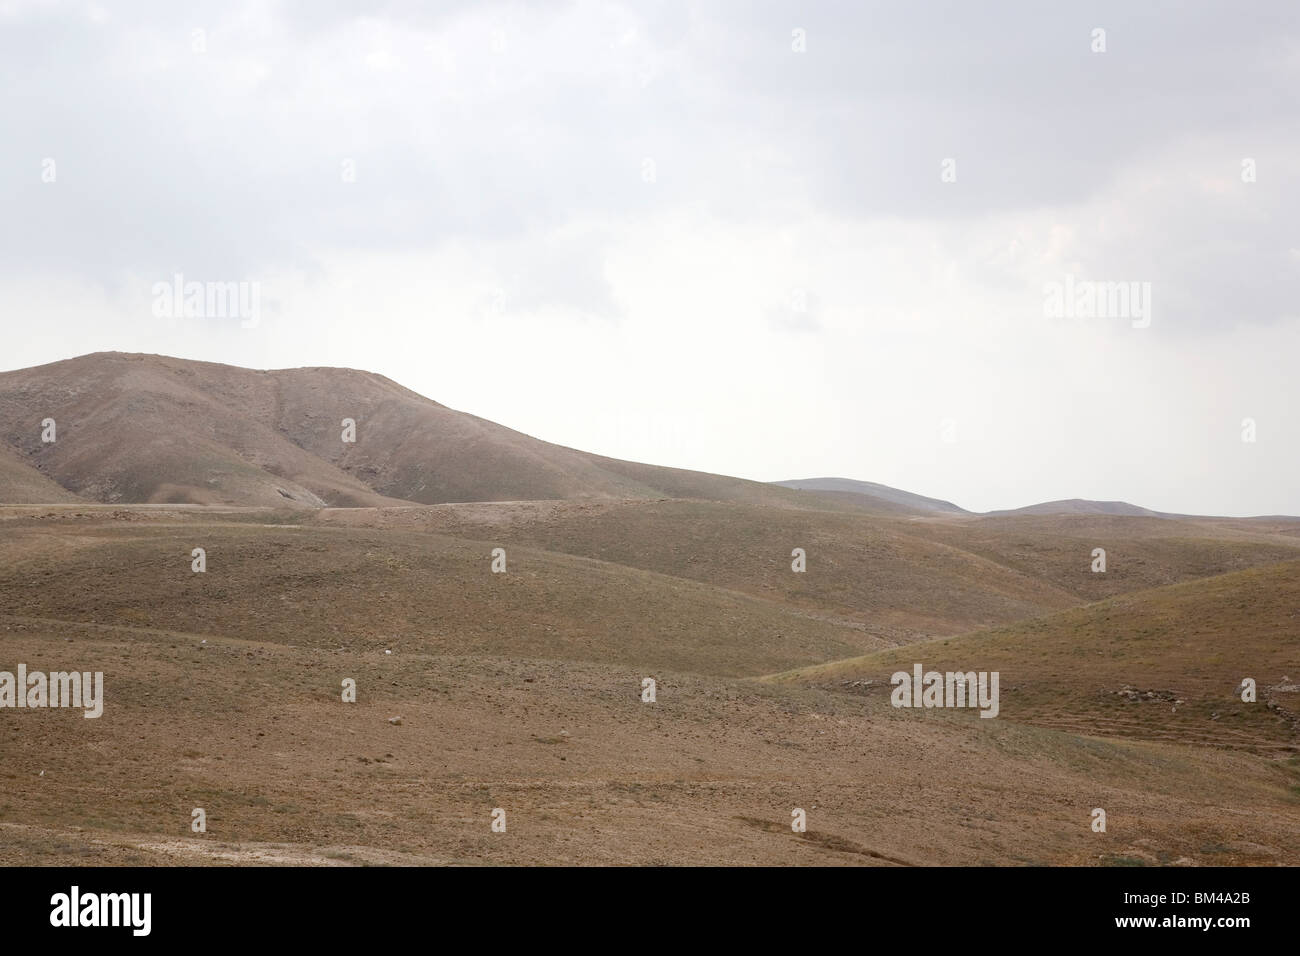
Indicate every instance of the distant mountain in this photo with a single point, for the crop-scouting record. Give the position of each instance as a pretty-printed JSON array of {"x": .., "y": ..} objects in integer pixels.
[
  {"x": 905, "y": 500},
  {"x": 1081, "y": 506},
  {"x": 894, "y": 496},
  {"x": 148, "y": 428}
]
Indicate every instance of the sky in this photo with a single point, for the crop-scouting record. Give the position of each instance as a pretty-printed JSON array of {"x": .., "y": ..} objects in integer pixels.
[{"x": 997, "y": 253}]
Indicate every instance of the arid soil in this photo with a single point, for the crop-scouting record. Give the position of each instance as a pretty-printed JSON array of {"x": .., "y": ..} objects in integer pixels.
[{"x": 522, "y": 691}]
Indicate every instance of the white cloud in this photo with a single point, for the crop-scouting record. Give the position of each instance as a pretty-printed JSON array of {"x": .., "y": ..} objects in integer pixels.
[{"x": 796, "y": 292}]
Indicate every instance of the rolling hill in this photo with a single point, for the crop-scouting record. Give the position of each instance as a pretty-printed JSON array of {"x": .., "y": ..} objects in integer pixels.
[
  {"x": 1081, "y": 506},
  {"x": 869, "y": 489},
  {"x": 150, "y": 429},
  {"x": 147, "y": 428},
  {"x": 522, "y": 690},
  {"x": 1163, "y": 664}
]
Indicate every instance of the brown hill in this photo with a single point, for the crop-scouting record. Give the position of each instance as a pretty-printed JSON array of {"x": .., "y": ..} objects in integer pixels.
[
  {"x": 20, "y": 483},
  {"x": 1080, "y": 506},
  {"x": 522, "y": 690},
  {"x": 1162, "y": 664},
  {"x": 148, "y": 428},
  {"x": 903, "y": 500},
  {"x": 900, "y": 578}
]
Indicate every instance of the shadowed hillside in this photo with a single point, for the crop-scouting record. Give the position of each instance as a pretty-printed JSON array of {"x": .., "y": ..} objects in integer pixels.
[{"x": 21, "y": 483}]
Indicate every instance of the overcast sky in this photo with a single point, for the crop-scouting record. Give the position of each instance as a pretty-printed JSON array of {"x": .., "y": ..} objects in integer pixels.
[{"x": 722, "y": 236}]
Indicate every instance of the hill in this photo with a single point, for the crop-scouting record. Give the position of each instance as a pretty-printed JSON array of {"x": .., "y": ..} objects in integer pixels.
[
  {"x": 1164, "y": 664},
  {"x": 148, "y": 428},
  {"x": 869, "y": 489},
  {"x": 1081, "y": 506},
  {"x": 522, "y": 690}
]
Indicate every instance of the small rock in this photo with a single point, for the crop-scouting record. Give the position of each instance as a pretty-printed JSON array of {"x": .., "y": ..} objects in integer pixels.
[{"x": 395, "y": 721}]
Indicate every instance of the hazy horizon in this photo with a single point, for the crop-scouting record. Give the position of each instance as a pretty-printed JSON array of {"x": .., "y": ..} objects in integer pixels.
[
  {"x": 788, "y": 479},
  {"x": 761, "y": 240}
]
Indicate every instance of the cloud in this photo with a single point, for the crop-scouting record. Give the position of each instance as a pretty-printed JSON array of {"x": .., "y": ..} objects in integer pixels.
[{"x": 671, "y": 205}]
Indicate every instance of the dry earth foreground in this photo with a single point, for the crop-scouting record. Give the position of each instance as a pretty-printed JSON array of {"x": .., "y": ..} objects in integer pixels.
[{"x": 520, "y": 689}]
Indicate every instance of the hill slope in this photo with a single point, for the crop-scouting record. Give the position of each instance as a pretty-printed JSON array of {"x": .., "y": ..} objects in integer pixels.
[
  {"x": 148, "y": 428},
  {"x": 523, "y": 690},
  {"x": 1081, "y": 506},
  {"x": 1165, "y": 664},
  {"x": 20, "y": 483},
  {"x": 870, "y": 489}
]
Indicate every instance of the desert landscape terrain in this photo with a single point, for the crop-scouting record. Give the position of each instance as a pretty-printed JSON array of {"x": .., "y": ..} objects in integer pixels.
[{"x": 520, "y": 688}]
